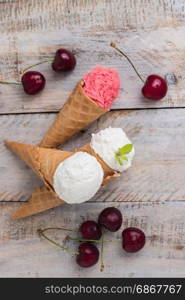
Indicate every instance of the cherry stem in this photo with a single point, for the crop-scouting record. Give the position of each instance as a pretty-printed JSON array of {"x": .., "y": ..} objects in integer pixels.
[
  {"x": 101, "y": 254},
  {"x": 93, "y": 241},
  {"x": 41, "y": 233},
  {"x": 8, "y": 82},
  {"x": 115, "y": 47},
  {"x": 58, "y": 228},
  {"x": 79, "y": 239},
  {"x": 37, "y": 64}
]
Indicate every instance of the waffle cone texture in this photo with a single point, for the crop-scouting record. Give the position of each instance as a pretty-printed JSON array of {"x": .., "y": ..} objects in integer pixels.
[
  {"x": 78, "y": 112},
  {"x": 44, "y": 162}
]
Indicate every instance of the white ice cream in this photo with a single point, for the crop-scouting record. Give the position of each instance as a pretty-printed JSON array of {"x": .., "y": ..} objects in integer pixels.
[
  {"x": 78, "y": 178},
  {"x": 107, "y": 142}
]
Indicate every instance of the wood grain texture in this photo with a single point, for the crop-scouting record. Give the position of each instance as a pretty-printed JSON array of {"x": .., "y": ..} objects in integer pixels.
[
  {"x": 50, "y": 14},
  {"x": 151, "y": 194},
  {"x": 157, "y": 173},
  {"x": 24, "y": 254},
  {"x": 150, "y": 32}
]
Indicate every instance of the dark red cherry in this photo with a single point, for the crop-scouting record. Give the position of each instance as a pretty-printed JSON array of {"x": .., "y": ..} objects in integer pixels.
[
  {"x": 90, "y": 230},
  {"x": 133, "y": 239},
  {"x": 33, "y": 82},
  {"x": 88, "y": 255},
  {"x": 64, "y": 61},
  {"x": 110, "y": 218},
  {"x": 155, "y": 87}
]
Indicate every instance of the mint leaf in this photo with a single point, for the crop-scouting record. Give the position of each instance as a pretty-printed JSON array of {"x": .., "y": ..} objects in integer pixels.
[
  {"x": 117, "y": 157},
  {"x": 124, "y": 157},
  {"x": 120, "y": 155},
  {"x": 125, "y": 149}
]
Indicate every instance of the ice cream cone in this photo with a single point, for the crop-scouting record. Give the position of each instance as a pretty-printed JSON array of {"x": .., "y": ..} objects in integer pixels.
[
  {"x": 44, "y": 163},
  {"x": 76, "y": 114},
  {"x": 108, "y": 172},
  {"x": 41, "y": 200}
]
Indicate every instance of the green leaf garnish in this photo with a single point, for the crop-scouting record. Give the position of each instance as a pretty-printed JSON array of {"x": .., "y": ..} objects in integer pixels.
[
  {"x": 124, "y": 157},
  {"x": 117, "y": 157},
  {"x": 120, "y": 155},
  {"x": 125, "y": 149}
]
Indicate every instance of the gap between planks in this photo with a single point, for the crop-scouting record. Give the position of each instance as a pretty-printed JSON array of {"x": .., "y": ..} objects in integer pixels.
[{"x": 112, "y": 110}]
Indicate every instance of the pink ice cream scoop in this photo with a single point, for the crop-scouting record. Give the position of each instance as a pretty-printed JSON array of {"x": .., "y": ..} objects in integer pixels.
[{"x": 102, "y": 85}]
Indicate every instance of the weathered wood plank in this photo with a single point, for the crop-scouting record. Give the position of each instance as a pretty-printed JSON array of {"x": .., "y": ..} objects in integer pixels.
[
  {"x": 150, "y": 32},
  {"x": 24, "y": 254},
  {"x": 33, "y": 15},
  {"x": 157, "y": 173}
]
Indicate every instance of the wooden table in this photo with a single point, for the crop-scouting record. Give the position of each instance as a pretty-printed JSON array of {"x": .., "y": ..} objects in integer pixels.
[{"x": 151, "y": 194}]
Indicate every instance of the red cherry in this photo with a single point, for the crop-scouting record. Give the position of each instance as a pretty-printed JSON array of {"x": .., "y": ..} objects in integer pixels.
[
  {"x": 64, "y": 61},
  {"x": 88, "y": 255},
  {"x": 90, "y": 230},
  {"x": 133, "y": 239},
  {"x": 110, "y": 218},
  {"x": 33, "y": 82},
  {"x": 155, "y": 87}
]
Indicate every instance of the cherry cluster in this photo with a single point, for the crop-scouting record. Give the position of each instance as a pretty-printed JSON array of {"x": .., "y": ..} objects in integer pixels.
[
  {"x": 33, "y": 81},
  {"x": 133, "y": 239}
]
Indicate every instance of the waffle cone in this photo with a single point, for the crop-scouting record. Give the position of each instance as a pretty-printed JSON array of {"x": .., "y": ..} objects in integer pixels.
[
  {"x": 108, "y": 172},
  {"x": 76, "y": 114},
  {"x": 44, "y": 163},
  {"x": 41, "y": 200}
]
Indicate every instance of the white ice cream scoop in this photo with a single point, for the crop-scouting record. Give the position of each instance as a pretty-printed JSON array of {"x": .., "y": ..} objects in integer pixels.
[
  {"x": 78, "y": 178},
  {"x": 108, "y": 143}
]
